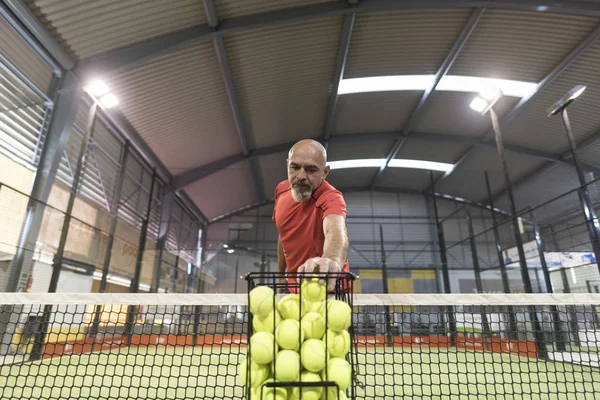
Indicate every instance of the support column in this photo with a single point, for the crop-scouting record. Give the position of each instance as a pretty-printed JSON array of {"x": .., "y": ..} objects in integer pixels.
[
  {"x": 68, "y": 100},
  {"x": 166, "y": 209}
]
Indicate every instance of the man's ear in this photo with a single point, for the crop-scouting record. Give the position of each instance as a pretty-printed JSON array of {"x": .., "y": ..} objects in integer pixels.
[{"x": 326, "y": 171}]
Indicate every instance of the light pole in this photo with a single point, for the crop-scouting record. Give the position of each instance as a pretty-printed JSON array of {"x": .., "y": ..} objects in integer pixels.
[
  {"x": 483, "y": 104},
  {"x": 584, "y": 196}
]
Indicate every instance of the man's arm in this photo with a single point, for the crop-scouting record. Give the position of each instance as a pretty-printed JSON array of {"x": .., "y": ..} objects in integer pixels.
[
  {"x": 336, "y": 239},
  {"x": 281, "y": 265},
  {"x": 335, "y": 249}
]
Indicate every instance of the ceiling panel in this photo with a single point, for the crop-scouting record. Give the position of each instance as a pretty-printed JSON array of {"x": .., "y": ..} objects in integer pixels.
[
  {"x": 533, "y": 128},
  {"x": 357, "y": 149},
  {"x": 91, "y": 27},
  {"x": 282, "y": 76},
  {"x": 351, "y": 177},
  {"x": 374, "y": 112},
  {"x": 179, "y": 107},
  {"x": 273, "y": 170},
  {"x": 449, "y": 112},
  {"x": 415, "y": 149},
  {"x": 591, "y": 154},
  {"x": 236, "y": 8},
  {"x": 223, "y": 191},
  {"x": 399, "y": 43},
  {"x": 520, "y": 45},
  {"x": 468, "y": 180}
]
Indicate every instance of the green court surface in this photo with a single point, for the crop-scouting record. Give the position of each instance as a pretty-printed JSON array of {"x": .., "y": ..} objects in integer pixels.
[{"x": 383, "y": 373}]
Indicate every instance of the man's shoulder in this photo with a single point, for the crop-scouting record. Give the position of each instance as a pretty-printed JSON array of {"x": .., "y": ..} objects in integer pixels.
[
  {"x": 328, "y": 192},
  {"x": 282, "y": 187}
]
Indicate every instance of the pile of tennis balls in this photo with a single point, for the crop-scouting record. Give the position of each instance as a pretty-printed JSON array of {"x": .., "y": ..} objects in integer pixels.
[{"x": 277, "y": 334}]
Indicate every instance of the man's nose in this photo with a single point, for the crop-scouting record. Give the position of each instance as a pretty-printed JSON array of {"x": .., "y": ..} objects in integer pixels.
[{"x": 301, "y": 175}]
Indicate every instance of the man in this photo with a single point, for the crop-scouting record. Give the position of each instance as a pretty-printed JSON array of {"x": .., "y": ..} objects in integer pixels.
[{"x": 310, "y": 216}]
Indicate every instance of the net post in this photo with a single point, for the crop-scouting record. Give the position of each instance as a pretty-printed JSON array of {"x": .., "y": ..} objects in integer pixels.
[
  {"x": 479, "y": 284},
  {"x": 558, "y": 336},
  {"x": 445, "y": 273},
  {"x": 384, "y": 276},
  {"x": 512, "y": 322}
]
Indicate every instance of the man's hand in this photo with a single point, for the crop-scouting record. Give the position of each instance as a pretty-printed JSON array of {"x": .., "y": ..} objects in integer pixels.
[{"x": 322, "y": 265}]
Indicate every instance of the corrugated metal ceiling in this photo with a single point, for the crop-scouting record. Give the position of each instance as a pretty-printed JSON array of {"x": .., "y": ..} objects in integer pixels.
[
  {"x": 449, "y": 112},
  {"x": 226, "y": 190},
  {"x": 178, "y": 104},
  {"x": 520, "y": 45},
  {"x": 91, "y": 27},
  {"x": 415, "y": 149},
  {"x": 351, "y": 150},
  {"x": 398, "y": 43},
  {"x": 533, "y": 128},
  {"x": 236, "y": 8},
  {"x": 282, "y": 76},
  {"x": 18, "y": 53},
  {"x": 273, "y": 171},
  {"x": 374, "y": 112}
]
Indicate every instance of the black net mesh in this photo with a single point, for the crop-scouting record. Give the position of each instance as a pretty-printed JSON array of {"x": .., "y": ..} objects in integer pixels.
[{"x": 57, "y": 346}]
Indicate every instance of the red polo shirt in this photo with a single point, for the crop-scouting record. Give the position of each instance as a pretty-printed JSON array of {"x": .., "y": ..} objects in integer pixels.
[{"x": 300, "y": 224}]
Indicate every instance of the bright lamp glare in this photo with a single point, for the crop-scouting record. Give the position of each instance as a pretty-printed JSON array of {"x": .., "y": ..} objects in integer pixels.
[
  {"x": 230, "y": 251},
  {"x": 474, "y": 84},
  {"x": 109, "y": 100},
  {"x": 577, "y": 93},
  {"x": 419, "y": 164},
  {"x": 478, "y": 104},
  {"x": 96, "y": 88},
  {"x": 490, "y": 93},
  {"x": 364, "y": 163}
]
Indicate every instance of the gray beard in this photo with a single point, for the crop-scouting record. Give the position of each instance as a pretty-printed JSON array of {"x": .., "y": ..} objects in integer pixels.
[{"x": 301, "y": 195}]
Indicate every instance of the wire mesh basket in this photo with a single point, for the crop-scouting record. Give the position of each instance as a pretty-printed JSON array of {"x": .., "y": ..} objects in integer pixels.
[{"x": 301, "y": 336}]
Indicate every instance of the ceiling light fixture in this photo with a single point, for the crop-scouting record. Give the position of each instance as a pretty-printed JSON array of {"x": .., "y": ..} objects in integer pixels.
[
  {"x": 96, "y": 88},
  {"x": 449, "y": 83},
  {"x": 109, "y": 100},
  {"x": 396, "y": 163}
]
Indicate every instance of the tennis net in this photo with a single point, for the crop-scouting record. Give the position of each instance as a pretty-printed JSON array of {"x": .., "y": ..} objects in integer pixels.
[{"x": 180, "y": 346}]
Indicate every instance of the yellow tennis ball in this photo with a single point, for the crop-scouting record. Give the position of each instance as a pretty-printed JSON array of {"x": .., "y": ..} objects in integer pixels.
[
  {"x": 338, "y": 343},
  {"x": 339, "y": 315},
  {"x": 262, "y": 299},
  {"x": 340, "y": 372},
  {"x": 333, "y": 394},
  {"x": 287, "y": 366},
  {"x": 268, "y": 323},
  {"x": 289, "y": 335},
  {"x": 313, "y": 291},
  {"x": 258, "y": 373},
  {"x": 313, "y": 325},
  {"x": 318, "y": 307},
  {"x": 271, "y": 393},
  {"x": 292, "y": 307},
  {"x": 313, "y": 355},
  {"x": 308, "y": 393},
  {"x": 262, "y": 347}
]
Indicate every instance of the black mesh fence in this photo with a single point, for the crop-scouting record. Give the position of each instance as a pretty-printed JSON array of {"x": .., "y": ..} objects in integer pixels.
[{"x": 184, "y": 346}]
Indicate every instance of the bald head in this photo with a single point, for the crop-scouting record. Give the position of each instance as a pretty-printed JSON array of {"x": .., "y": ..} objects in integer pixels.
[
  {"x": 307, "y": 168},
  {"x": 309, "y": 147}
]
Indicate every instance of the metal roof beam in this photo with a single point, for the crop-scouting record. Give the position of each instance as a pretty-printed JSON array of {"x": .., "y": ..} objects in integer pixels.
[
  {"x": 227, "y": 77},
  {"x": 589, "y": 41},
  {"x": 447, "y": 64},
  {"x": 340, "y": 66},
  {"x": 195, "y": 174},
  {"x": 129, "y": 56}
]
